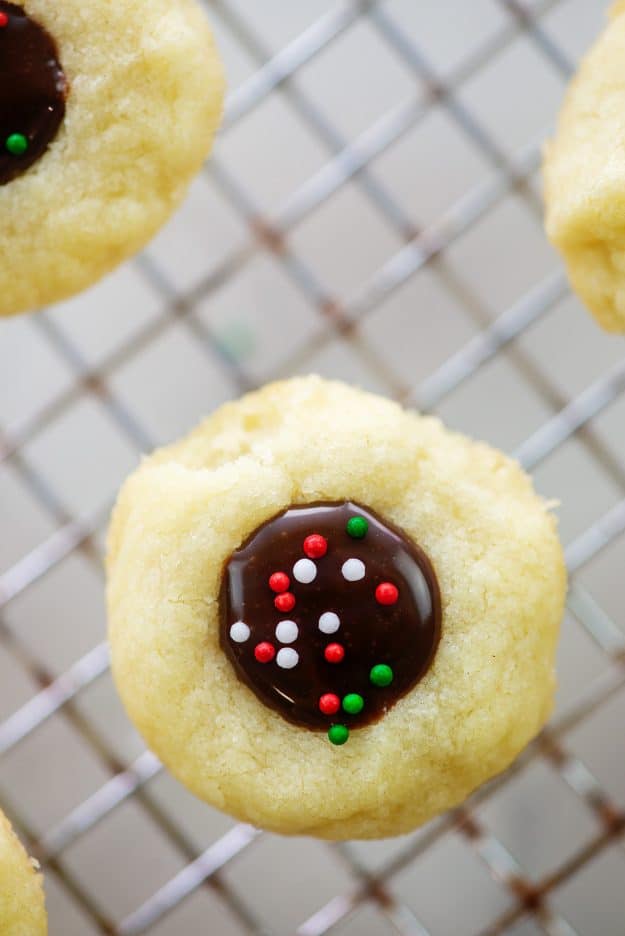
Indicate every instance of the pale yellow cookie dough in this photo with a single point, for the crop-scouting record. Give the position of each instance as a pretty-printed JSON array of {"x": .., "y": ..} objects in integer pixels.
[
  {"x": 493, "y": 544},
  {"x": 584, "y": 173},
  {"x": 22, "y": 908},
  {"x": 145, "y": 100}
]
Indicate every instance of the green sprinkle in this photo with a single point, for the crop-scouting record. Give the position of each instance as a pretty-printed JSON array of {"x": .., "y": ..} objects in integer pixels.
[
  {"x": 17, "y": 144},
  {"x": 357, "y": 527},
  {"x": 353, "y": 703},
  {"x": 381, "y": 675},
  {"x": 338, "y": 734}
]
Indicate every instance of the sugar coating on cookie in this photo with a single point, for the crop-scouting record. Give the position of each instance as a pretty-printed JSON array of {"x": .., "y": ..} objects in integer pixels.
[
  {"x": 107, "y": 111},
  {"x": 209, "y": 704},
  {"x": 22, "y": 904},
  {"x": 584, "y": 173}
]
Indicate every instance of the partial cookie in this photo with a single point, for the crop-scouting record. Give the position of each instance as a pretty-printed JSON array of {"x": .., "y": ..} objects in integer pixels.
[
  {"x": 22, "y": 908},
  {"x": 330, "y": 616},
  {"x": 584, "y": 171},
  {"x": 107, "y": 111}
]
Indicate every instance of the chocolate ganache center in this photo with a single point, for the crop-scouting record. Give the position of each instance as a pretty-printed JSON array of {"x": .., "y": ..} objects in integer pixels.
[
  {"x": 329, "y": 615},
  {"x": 33, "y": 89}
]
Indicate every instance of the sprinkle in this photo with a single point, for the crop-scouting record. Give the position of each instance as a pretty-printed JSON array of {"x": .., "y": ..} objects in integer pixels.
[
  {"x": 334, "y": 653},
  {"x": 338, "y": 734},
  {"x": 357, "y": 527},
  {"x": 329, "y": 622},
  {"x": 17, "y": 144},
  {"x": 315, "y": 546},
  {"x": 284, "y": 602},
  {"x": 386, "y": 593},
  {"x": 305, "y": 571},
  {"x": 4, "y": 20},
  {"x": 286, "y": 632},
  {"x": 264, "y": 652},
  {"x": 353, "y": 570},
  {"x": 381, "y": 675},
  {"x": 329, "y": 703},
  {"x": 353, "y": 703},
  {"x": 239, "y": 632},
  {"x": 279, "y": 582},
  {"x": 287, "y": 658}
]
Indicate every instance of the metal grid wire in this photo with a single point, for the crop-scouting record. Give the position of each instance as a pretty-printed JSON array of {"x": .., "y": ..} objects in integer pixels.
[{"x": 530, "y": 899}]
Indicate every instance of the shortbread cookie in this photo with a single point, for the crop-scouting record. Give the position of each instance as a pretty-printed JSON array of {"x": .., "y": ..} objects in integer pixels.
[
  {"x": 584, "y": 173},
  {"x": 22, "y": 908},
  {"x": 330, "y": 616},
  {"x": 107, "y": 111}
]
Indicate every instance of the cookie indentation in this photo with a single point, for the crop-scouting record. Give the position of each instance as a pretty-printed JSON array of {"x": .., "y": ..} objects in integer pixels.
[
  {"x": 33, "y": 90},
  {"x": 364, "y": 615}
]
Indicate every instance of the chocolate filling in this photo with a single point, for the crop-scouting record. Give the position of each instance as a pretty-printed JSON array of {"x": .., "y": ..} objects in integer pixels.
[
  {"x": 360, "y": 619},
  {"x": 33, "y": 89}
]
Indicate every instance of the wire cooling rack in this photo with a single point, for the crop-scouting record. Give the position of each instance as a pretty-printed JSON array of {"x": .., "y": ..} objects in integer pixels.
[{"x": 372, "y": 211}]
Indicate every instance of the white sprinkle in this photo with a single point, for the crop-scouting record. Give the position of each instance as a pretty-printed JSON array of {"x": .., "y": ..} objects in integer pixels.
[
  {"x": 287, "y": 658},
  {"x": 305, "y": 571},
  {"x": 239, "y": 632},
  {"x": 287, "y": 631},
  {"x": 353, "y": 570},
  {"x": 329, "y": 622}
]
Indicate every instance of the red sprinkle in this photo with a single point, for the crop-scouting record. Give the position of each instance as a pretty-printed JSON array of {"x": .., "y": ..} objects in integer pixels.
[
  {"x": 315, "y": 546},
  {"x": 4, "y": 20},
  {"x": 386, "y": 593},
  {"x": 264, "y": 652},
  {"x": 334, "y": 653},
  {"x": 329, "y": 703},
  {"x": 279, "y": 582},
  {"x": 285, "y": 601}
]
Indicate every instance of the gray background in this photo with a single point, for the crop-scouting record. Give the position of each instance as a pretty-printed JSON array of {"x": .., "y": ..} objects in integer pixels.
[{"x": 372, "y": 213}]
